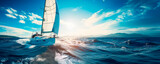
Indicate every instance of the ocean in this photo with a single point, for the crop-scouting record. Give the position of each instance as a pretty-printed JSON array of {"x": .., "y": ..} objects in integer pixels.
[{"x": 95, "y": 50}]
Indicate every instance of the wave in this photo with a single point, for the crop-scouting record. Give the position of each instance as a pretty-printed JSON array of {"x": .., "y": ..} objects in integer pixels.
[{"x": 82, "y": 51}]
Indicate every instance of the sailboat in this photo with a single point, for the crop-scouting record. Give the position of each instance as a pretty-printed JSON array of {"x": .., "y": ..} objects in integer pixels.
[{"x": 50, "y": 25}]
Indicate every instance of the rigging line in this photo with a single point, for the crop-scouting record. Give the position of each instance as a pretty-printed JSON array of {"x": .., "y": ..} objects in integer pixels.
[
  {"x": 46, "y": 19},
  {"x": 49, "y": 9},
  {"x": 49, "y": 14},
  {"x": 48, "y": 22},
  {"x": 52, "y": 12},
  {"x": 51, "y": 5}
]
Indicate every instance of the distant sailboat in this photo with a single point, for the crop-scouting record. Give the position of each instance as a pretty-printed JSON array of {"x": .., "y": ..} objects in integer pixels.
[{"x": 50, "y": 25}]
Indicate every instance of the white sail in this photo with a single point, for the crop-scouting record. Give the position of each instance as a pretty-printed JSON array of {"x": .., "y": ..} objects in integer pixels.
[{"x": 50, "y": 22}]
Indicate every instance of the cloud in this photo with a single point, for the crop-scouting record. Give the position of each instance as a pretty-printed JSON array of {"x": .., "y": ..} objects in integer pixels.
[
  {"x": 15, "y": 14},
  {"x": 141, "y": 7},
  {"x": 96, "y": 17},
  {"x": 109, "y": 14},
  {"x": 75, "y": 9},
  {"x": 15, "y": 31},
  {"x": 92, "y": 19},
  {"x": 137, "y": 29},
  {"x": 106, "y": 22},
  {"x": 22, "y": 21},
  {"x": 154, "y": 29},
  {"x": 11, "y": 10},
  {"x": 88, "y": 27},
  {"x": 123, "y": 13},
  {"x": 36, "y": 19},
  {"x": 34, "y": 28},
  {"x": 33, "y": 16},
  {"x": 11, "y": 16},
  {"x": 24, "y": 12},
  {"x": 12, "y": 13},
  {"x": 22, "y": 16},
  {"x": 140, "y": 29},
  {"x": 37, "y": 22},
  {"x": 145, "y": 7}
]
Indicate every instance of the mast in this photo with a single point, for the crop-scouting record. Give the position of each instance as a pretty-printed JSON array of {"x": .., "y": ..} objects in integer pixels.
[{"x": 43, "y": 17}]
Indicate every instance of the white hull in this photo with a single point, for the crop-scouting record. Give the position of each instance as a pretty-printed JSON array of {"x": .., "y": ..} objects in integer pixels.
[{"x": 42, "y": 41}]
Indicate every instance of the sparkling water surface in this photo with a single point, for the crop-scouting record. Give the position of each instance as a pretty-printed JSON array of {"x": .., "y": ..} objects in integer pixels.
[{"x": 98, "y": 50}]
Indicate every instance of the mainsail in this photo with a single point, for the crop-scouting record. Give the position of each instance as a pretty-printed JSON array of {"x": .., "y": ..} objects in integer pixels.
[{"x": 50, "y": 23}]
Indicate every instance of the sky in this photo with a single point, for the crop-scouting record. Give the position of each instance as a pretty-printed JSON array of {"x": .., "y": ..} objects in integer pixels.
[{"x": 82, "y": 17}]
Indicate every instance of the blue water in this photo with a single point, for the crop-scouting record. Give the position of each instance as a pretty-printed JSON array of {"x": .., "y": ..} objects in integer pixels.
[{"x": 82, "y": 51}]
